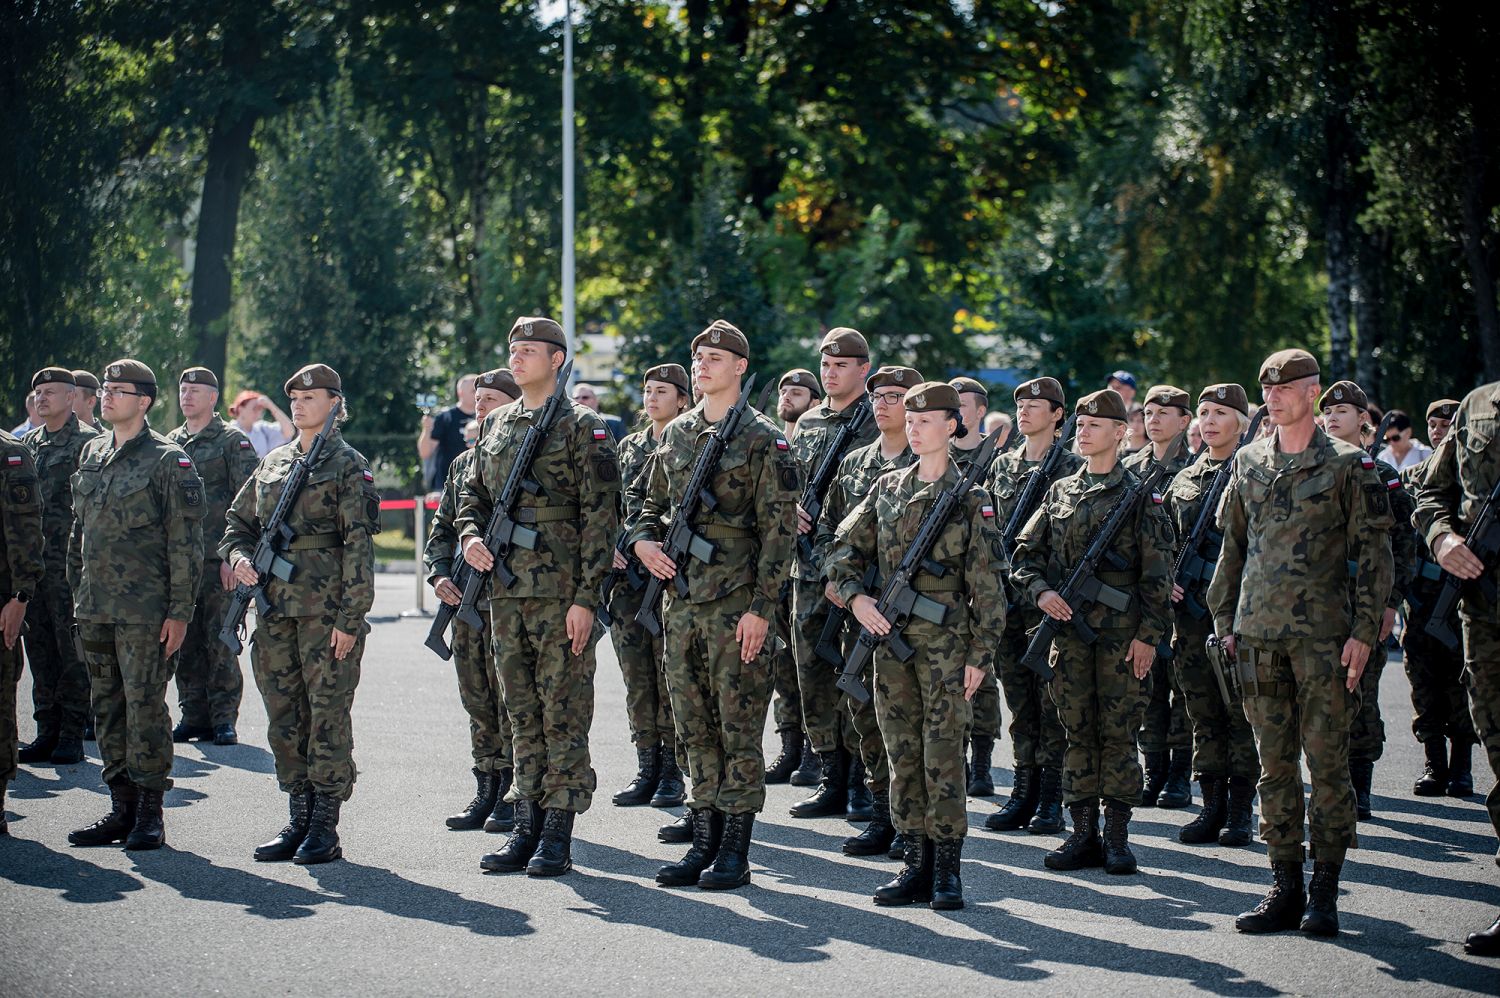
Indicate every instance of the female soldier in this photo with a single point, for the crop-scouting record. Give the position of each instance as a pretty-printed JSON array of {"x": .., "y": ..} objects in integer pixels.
[
  {"x": 922, "y": 705},
  {"x": 306, "y": 649}
]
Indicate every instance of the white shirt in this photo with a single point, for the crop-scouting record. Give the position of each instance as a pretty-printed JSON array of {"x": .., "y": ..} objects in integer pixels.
[
  {"x": 1419, "y": 452},
  {"x": 265, "y": 437}
]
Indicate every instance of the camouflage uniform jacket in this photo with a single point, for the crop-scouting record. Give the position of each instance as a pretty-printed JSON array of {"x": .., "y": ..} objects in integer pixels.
[
  {"x": 857, "y": 473},
  {"x": 635, "y": 453},
  {"x": 1459, "y": 475},
  {"x": 20, "y": 522},
  {"x": 882, "y": 527},
  {"x": 579, "y": 475},
  {"x": 815, "y": 432},
  {"x": 1008, "y": 479},
  {"x": 136, "y": 553},
  {"x": 333, "y": 520},
  {"x": 1404, "y": 562},
  {"x": 441, "y": 552},
  {"x": 1178, "y": 459},
  {"x": 754, "y": 527},
  {"x": 225, "y": 459},
  {"x": 1055, "y": 538},
  {"x": 1292, "y": 523},
  {"x": 56, "y": 456},
  {"x": 1426, "y": 574}
]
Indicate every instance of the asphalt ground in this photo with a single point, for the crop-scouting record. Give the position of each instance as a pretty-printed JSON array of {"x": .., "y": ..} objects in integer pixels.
[{"x": 409, "y": 911}]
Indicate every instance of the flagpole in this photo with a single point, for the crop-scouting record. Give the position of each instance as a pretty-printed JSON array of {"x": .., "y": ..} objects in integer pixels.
[{"x": 569, "y": 318}]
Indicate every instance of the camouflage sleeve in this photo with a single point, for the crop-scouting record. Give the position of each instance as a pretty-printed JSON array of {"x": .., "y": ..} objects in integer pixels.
[
  {"x": 240, "y": 459},
  {"x": 1366, "y": 538},
  {"x": 182, "y": 492},
  {"x": 855, "y": 548},
  {"x": 1439, "y": 492},
  {"x": 1403, "y": 544},
  {"x": 442, "y": 535},
  {"x": 242, "y": 526},
  {"x": 1224, "y": 589},
  {"x": 598, "y": 508},
  {"x": 777, "y": 483},
  {"x": 1158, "y": 543},
  {"x": 359, "y": 521},
  {"x": 835, "y": 506},
  {"x": 650, "y": 489},
  {"x": 74, "y": 570},
  {"x": 475, "y": 500},
  {"x": 982, "y": 571},
  {"x": 22, "y": 522},
  {"x": 1028, "y": 572}
]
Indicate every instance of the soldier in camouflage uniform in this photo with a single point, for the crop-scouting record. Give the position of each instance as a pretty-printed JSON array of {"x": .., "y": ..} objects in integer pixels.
[
  {"x": 923, "y": 703},
  {"x": 85, "y": 397},
  {"x": 478, "y": 686},
  {"x": 719, "y": 646},
  {"x": 306, "y": 651},
  {"x": 1100, "y": 689},
  {"x": 209, "y": 684},
  {"x": 59, "y": 679},
  {"x": 542, "y": 627},
  {"x": 1037, "y": 736},
  {"x": 1299, "y": 508},
  {"x": 21, "y": 574},
  {"x": 134, "y": 559}
]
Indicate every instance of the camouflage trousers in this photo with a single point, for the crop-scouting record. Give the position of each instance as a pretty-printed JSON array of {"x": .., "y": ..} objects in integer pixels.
[
  {"x": 1440, "y": 706},
  {"x": 479, "y": 692},
  {"x": 925, "y": 720},
  {"x": 209, "y": 683},
  {"x": 1223, "y": 744},
  {"x": 549, "y": 693},
  {"x": 1367, "y": 729},
  {"x": 10, "y": 743},
  {"x": 823, "y": 718},
  {"x": 648, "y": 705},
  {"x": 1482, "y": 679},
  {"x": 1166, "y": 726},
  {"x": 309, "y": 697},
  {"x": 1100, "y": 704},
  {"x": 1036, "y": 735},
  {"x": 865, "y": 724},
  {"x": 788, "y": 702},
  {"x": 718, "y": 702},
  {"x": 130, "y": 675},
  {"x": 1298, "y": 707},
  {"x": 59, "y": 678},
  {"x": 985, "y": 708}
]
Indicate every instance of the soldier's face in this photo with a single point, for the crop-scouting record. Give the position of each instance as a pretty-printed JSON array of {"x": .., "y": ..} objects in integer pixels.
[
  {"x": 1035, "y": 416},
  {"x": 929, "y": 432},
  {"x": 52, "y": 400},
  {"x": 1343, "y": 421},
  {"x": 972, "y": 408},
  {"x": 1437, "y": 429},
  {"x": 83, "y": 402},
  {"x": 1219, "y": 425},
  {"x": 843, "y": 377},
  {"x": 661, "y": 400},
  {"x": 1097, "y": 435},
  {"x": 123, "y": 401},
  {"x": 888, "y": 411},
  {"x": 487, "y": 400},
  {"x": 716, "y": 370},
  {"x": 792, "y": 401},
  {"x": 534, "y": 363},
  {"x": 310, "y": 407},
  {"x": 1291, "y": 402},
  {"x": 196, "y": 400},
  {"x": 1163, "y": 422}
]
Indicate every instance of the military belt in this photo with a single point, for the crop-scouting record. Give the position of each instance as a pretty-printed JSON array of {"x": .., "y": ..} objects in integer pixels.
[
  {"x": 1276, "y": 691},
  {"x": 315, "y": 542},
  {"x": 546, "y": 514},
  {"x": 723, "y": 532},
  {"x": 1118, "y": 579},
  {"x": 933, "y": 584}
]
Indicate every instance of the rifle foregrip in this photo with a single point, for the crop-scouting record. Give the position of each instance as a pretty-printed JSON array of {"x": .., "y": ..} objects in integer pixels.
[
  {"x": 437, "y": 634},
  {"x": 1038, "y": 650}
]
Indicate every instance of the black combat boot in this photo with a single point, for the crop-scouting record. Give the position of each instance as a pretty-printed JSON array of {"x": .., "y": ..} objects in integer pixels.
[
  {"x": 322, "y": 842},
  {"x": 1282, "y": 907},
  {"x": 1485, "y": 942},
  {"x": 1118, "y": 859},
  {"x": 832, "y": 796},
  {"x": 731, "y": 866},
  {"x": 149, "y": 831},
  {"x": 284, "y": 846},
  {"x": 554, "y": 850},
  {"x": 185, "y": 732},
  {"x": 780, "y": 770},
  {"x": 1210, "y": 820},
  {"x": 1361, "y": 775},
  {"x": 478, "y": 809},
  {"x": 68, "y": 751},
  {"x": 981, "y": 783},
  {"x": 1178, "y": 790},
  {"x": 859, "y": 803},
  {"x": 1083, "y": 848},
  {"x": 1322, "y": 916},
  {"x": 1434, "y": 779},
  {"x": 707, "y": 827},
  {"x": 947, "y": 887},
  {"x": 115, "y": 825},
  {"x": 1021, "y": 805},
  {"x": 1239, "y": 823},
  {"x": 876, "y": 839},
  {"x": 913, "y": 885},
  {"x": 224, "y": 734},
  {"x": 809, "y": 772},
  {"x": 678, "y": 830},
  {"x": 1460, "y": 770},
  {"x": 40, "y": 749},
  {"x": 503, "y": 815},
  {"x": 1157, "y": 764},
  {"x": 670, "y": 789},
  {"x": 898, "y": 847},
  {"x": 648, "y": 773},
  {"x": 517, "y": 850},
  {"x": 1049, "y": 809}
]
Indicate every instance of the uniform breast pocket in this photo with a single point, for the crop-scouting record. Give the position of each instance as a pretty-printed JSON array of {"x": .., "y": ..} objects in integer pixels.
[
  {"x": 85, "y": 487},
  {"x": 732, "y": 485},
  {"x": 137, "y": 506},
  {"x": 319, "y": 501}
]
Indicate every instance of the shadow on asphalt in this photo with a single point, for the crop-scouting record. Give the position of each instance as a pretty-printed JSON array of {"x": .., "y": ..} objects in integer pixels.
[
  {"x": 32, "y": 864},
  {"x": 43, "y": 782}
]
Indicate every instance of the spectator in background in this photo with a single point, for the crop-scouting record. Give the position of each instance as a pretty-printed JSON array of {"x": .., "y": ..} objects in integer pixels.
[
  {"x": 1195, "y": 437},
  {"x": 1400, "y": 449},
  {"x": 1136, "y": 420},
  {"x": 32, "y": 419},
  {"x": 999, "y": 426},
  {"x": 264, "y": 436},
  {"x": 585, "y": 395},
  {"x": 1123, "y": 382},
  {"x": 442, "y": 436},
  {"x": 84, "y": 398}
]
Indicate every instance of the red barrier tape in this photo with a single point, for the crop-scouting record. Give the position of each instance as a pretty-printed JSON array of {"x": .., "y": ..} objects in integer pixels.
[{"x": 406, "y": 504}]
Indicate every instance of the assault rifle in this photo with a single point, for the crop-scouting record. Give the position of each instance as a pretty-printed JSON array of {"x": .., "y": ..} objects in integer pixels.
[
  {"x": 631, "y": 573},
  {"x": 1483, "y": 539},
  {"x": 827, "y": 468},
  {"x": 1036, "y": 486}
]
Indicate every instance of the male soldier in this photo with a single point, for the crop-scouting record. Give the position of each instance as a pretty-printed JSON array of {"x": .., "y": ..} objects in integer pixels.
[
  {"x": 543, "y": 625},
  {"x": 717, "y": 637},
  {"x": 85, "y": 397},
  {"x": 795, "y": 394},
  {"x": 478, "y": 688},
  {"x": 134, "y": 561},
  {"x": 857, "y": 473},
  {"x": 20, "y": 576},
  {"x": 59, "y": 679},
  {"x": 1459, "y": 477},
  {"x": 209, "y": 684},
  {"x": 844, "y": 366},
  {"x": 1036, "y": 734},
  {"x": 1166, "y": 739},
  {"x": 1300, "y": 506}
]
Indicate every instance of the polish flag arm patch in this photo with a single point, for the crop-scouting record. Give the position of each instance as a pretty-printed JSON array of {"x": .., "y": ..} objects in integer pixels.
[
  {"x": 1367, "y": 461},
  {"x": 781, "y": 444},
  {"x": 1393, "y": 484},
  {"x": 987, "y": 511},
  {"x": 368, "y": 476},
  {"x": 184, "y": 462},
  {"x": 14, "y": 460},
  {"x": 600, "y": 433},
  {"x": 1156, "y": 498}
]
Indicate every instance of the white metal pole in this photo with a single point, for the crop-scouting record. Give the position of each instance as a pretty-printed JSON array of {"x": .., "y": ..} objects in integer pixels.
[
  {"x": 569, "y": 318},
  {"x": 419, "y": 542}
]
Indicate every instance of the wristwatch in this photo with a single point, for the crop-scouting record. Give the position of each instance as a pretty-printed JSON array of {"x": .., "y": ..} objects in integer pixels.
[{"x": 22, "y": 596}]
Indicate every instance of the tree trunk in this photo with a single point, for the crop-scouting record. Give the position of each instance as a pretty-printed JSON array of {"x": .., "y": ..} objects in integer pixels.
[
  {"x": 1479, "y": 251},
  {"x": 228, "y": 170},
  {"x": 1340, "y": 284},
  {"x": 1370, "y": 310}
]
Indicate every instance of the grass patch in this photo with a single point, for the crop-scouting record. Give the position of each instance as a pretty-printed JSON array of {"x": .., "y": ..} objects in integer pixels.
[{"x": 393, "y": 546}]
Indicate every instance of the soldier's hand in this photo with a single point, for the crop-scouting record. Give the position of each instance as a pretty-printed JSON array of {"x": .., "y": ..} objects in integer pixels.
[
  {"x": 1177, "y": 593},
  {"x": 341, "y": 643},
  {"x": 477, "y": 555},
  {"x": 973, "y": 679},
  {"x": 658, "y": 564},
  {"x": 1140, "y": 656},
  {"x": 750, "y": 632},
  {"x": 1387, "y": 623},
  {"x": 245, "y": 573},
  {"x": 1228, "y": 643},
  {"x": 226, "y": 577},
  {"x": 447, "y": 591},
  {"x": 172, "y": 634},
  {"x": 832, "y": 593},
  {"x": 10, "y": 622},
  {"x": 804, "y": 522},
  {"x": 871, "y": 619},
  {"x": 1054, "y": 606},
  {"x": 579, "y": 624},
  {"x": 619, "y": 563},
  {"x": 1454, "y": 555},
  {"x": 1355, "y": 657}
]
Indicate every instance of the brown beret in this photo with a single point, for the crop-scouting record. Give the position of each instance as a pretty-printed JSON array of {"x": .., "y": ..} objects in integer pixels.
[
  {"x": 1288, "y": 365},
  {"x": 1228, "y": 394},
  {"x": 132, "y": 371},
  {"x": 1443, "y": 409},
  {"x": 53, "y": 376},
  {"x": 1344, "y": 393},
  {"x": 721, "y": 335},
  {"x": 845, "y": 342},
  {"x": 198, "y": 376},
  {"x": 314, "y": 376},
  {"x": 83, "y": 379},
  {"x": 931, "y": 396},
  {"x": 1105, "y": 404},
  {"x": 899, "y": 377},
  {"x": 538, "y": 328},
  {"x": 971, "y": 387},
  {"x": 801, "y": 377},
  {"x": 672, "y": 374},
  {"x": 1169, "y": 395},
  {"x": 499, "y": 380},
  {"x": 1041, "y": 388}
]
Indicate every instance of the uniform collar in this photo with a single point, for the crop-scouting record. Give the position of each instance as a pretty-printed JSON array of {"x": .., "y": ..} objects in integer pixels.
[
  {"x": 1318, "y": 450},
  {"x": 1115, "y": 476},
  {"x": 68, "y": 429},
  {"x": 211, "y": 429},
  {"x": 113, "y": 453}
]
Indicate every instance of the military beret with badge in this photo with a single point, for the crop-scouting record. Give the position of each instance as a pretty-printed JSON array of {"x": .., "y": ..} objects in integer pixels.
[
  {"x": 1104, "y": 404},
  {"x": 1443, "y": 409},
  {"x": 1230, "y": 395},
  {"x": 670, "y": 374},
  {"x": 722, "y": 335},
  {"x": 315, "y": 376},
  {"x": 800, "y": 377},
  {"x": 53, "y": 376},
  {"x": 842, "y": 341},
  {"x": 1288, "y": 365},
  {"x": 1041, "y": 388}
]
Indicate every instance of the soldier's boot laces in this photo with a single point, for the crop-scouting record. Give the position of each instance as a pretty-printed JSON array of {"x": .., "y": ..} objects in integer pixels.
[
  {"x": 1361, "y": 776},
  {"x": 731, "y": 867},
  {"x": 648, "y": 772},
  {"x": 707, "y": 827},
  {"x": 1157, "y": 764},
  {"x": 670, "y": 790},
  {"x": 284, "y": 846},
  {"x": 517, "y": 850},
  {"x": 809, "y": 772},
  {"x": 832, "y": 796},
  {"x": 1049, "y": 809},
  {"x": 1239, "y": 824},
  {"x": 1020, "y": 806},
  {"x": 1178, "y": 790},
  {"x": 1210, "y": 820},
  {"x": 40, "y": 749},
  {"x": 69, "y": 750},
  {"x": 913, "y": 885},
  {"x": 860, "y": 802},
  {"x": 898, "y": 847},
  {"x": 876, "y": 839},
  {"x": 115, "y": 825},
  {"x": 502, "y": 817},
  {"x": 1434, "y": 779},
  {"x": 1461, "y": 770},
  {"x": 1083, "y": 848},
  {"x": 149, "y": 830},
  {"x": 947, "y": 886},
  {"x": 1282, "y": 907},
  {"x": 322, "y": 842},
  {"x": 554, "y": 851},
  {"x": 1118, "y": 859},
  {"x": 1322, "y": 915},
  {"x": 981, "y": 783},
  {"x": 1485, "y": 942},
  {"x": 678, "y": 830},
  {"x": 478, "y": 809},
  {"x": 781, "y": 769}
]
